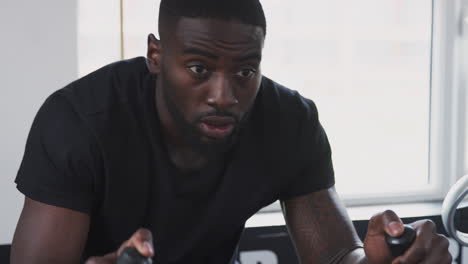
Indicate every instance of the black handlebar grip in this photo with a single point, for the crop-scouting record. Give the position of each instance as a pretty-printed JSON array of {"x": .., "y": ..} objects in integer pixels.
[
  {"x": 398, "y": 245},
  {"x": 131, "y": 256}
]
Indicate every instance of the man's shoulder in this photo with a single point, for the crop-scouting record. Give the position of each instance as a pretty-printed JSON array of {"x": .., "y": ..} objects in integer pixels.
[
  {"x": 280, "y": 100},
  {"x": 281, "y": 118},
  {"x": 124, "y": 68},
  {"x": 112, "y": 85}
]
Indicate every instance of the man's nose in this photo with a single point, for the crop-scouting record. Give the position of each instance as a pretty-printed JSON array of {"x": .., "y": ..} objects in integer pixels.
[{"x": 221, "y": 93}]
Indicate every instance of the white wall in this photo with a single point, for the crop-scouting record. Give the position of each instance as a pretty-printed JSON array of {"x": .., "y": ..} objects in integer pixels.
[{"x": 38, "y": 55}]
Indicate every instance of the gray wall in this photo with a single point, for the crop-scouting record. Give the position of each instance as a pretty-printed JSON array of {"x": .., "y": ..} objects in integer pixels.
[{"x": 38, "y": 53}]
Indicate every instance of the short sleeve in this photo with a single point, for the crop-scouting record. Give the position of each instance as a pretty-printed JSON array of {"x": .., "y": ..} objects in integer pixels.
[
  {"x": 61, "y": 159},
  {"x": 314, "y": 157}
]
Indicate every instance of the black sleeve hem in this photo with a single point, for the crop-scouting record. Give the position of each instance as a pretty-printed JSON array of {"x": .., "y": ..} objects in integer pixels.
[
  {"x": 290, "y": 196},
  {"x": 81, "y": 203}
]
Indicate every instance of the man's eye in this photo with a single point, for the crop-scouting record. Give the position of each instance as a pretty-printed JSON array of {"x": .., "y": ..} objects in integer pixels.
[
  {"x": 246, "y": 73},
  {"x": 198, "y": 69}
]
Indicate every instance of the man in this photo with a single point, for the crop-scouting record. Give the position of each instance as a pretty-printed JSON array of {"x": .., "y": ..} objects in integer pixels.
[{"x": 172, "y": 153}]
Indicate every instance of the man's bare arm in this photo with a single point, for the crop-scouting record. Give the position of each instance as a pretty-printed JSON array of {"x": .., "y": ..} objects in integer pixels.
[
  {"x": 49, "y": 234},
  {"x": 321, "y": 229}
]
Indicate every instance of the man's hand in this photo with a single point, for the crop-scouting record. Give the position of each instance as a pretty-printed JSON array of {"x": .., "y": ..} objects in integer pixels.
[
  {"x": 142, "y": 240},
  {"x": 428, "y": 247}
]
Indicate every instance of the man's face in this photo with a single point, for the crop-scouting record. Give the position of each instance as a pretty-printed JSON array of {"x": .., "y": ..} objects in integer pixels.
[{"x": 209, "y": 74}]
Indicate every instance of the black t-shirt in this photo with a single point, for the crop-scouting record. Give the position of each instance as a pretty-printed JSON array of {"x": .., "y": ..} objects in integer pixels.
[{"x": 95, "y": 146}]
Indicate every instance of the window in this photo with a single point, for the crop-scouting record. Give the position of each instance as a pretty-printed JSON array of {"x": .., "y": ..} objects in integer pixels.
[
  {"x": 378, "y": 73},
  {"x": 367, "y": 66}
]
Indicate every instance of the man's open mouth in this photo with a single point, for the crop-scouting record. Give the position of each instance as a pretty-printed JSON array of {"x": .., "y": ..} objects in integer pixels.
[{"x": 217, "y": 126}]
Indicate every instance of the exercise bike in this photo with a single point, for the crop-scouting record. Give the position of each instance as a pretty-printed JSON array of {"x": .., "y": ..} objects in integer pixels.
[{"x": 454, "y": 197}]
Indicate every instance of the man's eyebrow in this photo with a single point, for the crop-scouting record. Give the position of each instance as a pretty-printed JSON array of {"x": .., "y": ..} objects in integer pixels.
[
  {"x": 200, "y": 52},
  {"x": 251, "y": 56},
  {"x": 204, "y": 53}
]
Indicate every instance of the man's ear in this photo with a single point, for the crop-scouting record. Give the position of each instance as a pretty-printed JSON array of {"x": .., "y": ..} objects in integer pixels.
[{"x": 154, "y": 54}]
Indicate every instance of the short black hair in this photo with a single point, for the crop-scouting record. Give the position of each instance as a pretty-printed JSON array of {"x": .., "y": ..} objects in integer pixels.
[{"x": 248, "y": 12}]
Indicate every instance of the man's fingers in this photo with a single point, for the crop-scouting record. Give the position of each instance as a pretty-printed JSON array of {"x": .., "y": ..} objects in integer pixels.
[
  {"x": 142, "y": 240},
  {"x": 385, "y": 222},
  {"x": 427, "y": 225},
  {"x": 97, "y": 260},
  {"x": 428, "y": 245},
  {"x": 436, "y": 256},
  {"x": 110, "y": 258}
]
